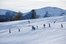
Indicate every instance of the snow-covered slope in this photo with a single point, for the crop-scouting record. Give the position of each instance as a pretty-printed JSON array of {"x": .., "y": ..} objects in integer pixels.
[
  {"x": 51, "y": 11},
  {"x": 47, "y": 12},
  {"x": 48, "y": 35}
]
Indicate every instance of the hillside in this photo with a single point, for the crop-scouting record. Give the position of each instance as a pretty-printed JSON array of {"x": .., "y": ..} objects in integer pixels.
[
  {"x": 7, "y": 15},
  {"x": 48, "y": 12},
  {"x": 55, "y": 34}
]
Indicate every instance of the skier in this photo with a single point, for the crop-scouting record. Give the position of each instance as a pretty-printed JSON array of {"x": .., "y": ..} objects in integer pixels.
[
  {"x": 49, "y": 24},
  {"x": 44, "y": 25},
  {"x": 33, "y": 28},
  {"x": 18, "y": 29},
  {"x": 29, "y": 22},
  {"x": 37, "y": 27},
  {"x": 54, "y": 21},
  {"x": 9, "y": 30},
  {"x": 61, "y": 26}
]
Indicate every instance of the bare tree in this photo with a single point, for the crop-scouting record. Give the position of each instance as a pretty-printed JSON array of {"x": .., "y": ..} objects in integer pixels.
[{"x": 18, "y": 16}]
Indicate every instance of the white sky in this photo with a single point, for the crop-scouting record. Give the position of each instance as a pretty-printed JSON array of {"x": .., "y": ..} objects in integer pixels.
[{"x": 27, "y": 5}]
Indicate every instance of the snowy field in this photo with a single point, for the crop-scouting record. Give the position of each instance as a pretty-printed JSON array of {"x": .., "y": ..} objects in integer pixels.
[{"x": 54, "y": 34}]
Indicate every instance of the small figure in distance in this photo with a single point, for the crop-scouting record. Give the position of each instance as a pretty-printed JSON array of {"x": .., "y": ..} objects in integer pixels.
[
  {"x": 37, "y": 27},
  {"x": 18, "y": 29},
  {"x": 9, "y": 30},
  {"x": 49, "y": 24},
  {"x": 33, "y": 28},
  {"x": 54, "y": 21},
  {"x": 61, "y": 25},
  {"x": 29, "y": 22},
  {"x": 44, "y": 25}
]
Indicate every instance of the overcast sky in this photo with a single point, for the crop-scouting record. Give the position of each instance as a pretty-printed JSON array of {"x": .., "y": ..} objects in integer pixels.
[{"x": 27, "y": 5}]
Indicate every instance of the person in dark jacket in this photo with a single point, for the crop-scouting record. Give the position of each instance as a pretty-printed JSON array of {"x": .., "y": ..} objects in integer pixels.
[
  {"x": 33, "y": 28},
  {"x": 54, "y": 21},
  {"x": 29, "y": 22},
  {"x": 9, "y": 30},
  {"x": 61, "y": 25},
  {"x": 44, "y": 25},
  {"x": 37, "y": 27},
  {"x": 49, "y": 24},
  {"x": 18, "y": 29}
]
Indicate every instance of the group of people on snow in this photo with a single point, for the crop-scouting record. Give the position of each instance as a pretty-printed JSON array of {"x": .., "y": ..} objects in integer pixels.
[{"x": 36, "y": 27}]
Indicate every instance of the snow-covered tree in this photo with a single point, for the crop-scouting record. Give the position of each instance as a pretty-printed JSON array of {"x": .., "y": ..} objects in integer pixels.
[{"x": 46, "y": 14}]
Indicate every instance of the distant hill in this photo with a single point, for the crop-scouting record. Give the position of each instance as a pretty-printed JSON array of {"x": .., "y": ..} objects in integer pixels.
[
  {"x": 49, "y": 12},
  {"x": 7, "y": 15}
]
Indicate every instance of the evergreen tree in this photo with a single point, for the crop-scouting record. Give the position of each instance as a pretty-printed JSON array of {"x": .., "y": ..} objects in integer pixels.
[
  {"x": 62, "y": 14},
  {"x": 46, "y": 14},
  {"x": 8, "y": 16},
  {"x": 33, "y": 14}
]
